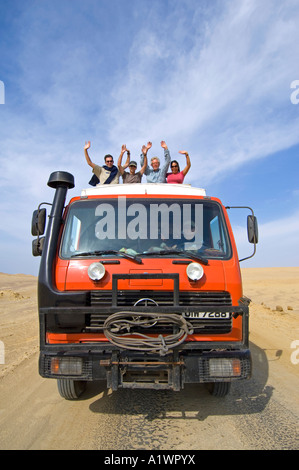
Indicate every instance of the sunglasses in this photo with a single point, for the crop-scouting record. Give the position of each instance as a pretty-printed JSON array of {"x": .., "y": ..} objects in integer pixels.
[
  {"x": 109, "y": 161},
  {"x": 174, "y": 166}
]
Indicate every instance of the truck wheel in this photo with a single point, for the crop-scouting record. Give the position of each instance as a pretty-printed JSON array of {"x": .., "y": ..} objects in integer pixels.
[
  {"x": 219, "y": 389},
  {"x": 70, "y": 389}
]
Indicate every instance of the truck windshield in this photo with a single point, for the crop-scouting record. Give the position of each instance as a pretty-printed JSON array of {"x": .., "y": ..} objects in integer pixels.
[{"x": 147, "y": 227}]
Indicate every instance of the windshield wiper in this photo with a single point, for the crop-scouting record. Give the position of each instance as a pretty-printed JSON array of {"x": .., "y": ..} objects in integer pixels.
[
  {"x": 176, "y": 252},
  {"x": 109, "y": 252}
]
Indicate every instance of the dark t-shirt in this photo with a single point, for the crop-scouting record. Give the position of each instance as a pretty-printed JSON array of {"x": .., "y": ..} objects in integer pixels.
[{"x": 128, "y": 178}]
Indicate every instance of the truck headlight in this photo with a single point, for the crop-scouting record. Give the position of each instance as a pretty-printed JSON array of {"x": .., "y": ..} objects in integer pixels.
[
  {"x": 222, "y": 367},
  {"x": 194, "y": 271},
  {"x": 96, "y": 271},
  {"x": 66, "y": 366}
]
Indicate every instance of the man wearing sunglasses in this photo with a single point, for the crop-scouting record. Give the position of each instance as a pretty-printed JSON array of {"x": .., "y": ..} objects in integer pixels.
[{"x": 105, "y": 174}]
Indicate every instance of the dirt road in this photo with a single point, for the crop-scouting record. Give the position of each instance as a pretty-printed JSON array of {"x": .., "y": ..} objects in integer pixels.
[{"x": 261, "y": 413}]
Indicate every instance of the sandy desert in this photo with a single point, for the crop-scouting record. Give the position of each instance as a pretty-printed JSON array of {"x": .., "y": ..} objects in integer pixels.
[
  {"x": 274, "y": 330},
  {"x": 274, "y": 294}
]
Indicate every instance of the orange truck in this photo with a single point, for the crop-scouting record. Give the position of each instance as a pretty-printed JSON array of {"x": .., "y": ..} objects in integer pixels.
[{"x": 140, "y": 285}]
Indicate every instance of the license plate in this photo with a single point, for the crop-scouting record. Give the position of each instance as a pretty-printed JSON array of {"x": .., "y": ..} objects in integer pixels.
[{"x": 207, "y": 315}]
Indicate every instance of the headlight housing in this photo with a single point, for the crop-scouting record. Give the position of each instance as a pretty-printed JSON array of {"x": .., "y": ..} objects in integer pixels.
[
  {"x": 225, "y": 367},
  {"x": 66, "y": 365},
  {"x": 194, "y": 271},
  {"x": 96, "y": 271}
]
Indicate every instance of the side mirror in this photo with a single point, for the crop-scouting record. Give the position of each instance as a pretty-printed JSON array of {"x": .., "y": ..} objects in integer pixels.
[
  {"x": 37, "y": 246},
  {"x": 38, "y": 222},
  {"x": 252, "y": 229}
]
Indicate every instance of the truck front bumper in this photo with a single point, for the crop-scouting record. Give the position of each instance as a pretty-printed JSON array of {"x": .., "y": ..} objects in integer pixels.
[{"x": 127, "y": 369}]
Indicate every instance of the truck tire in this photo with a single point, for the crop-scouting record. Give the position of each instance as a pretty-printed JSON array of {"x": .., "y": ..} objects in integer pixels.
[
  {"x": 219, "y": 389},
  {"x": 70, "y": 389}
]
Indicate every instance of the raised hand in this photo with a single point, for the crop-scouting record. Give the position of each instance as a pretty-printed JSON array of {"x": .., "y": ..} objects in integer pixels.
[
  {"x": 87, "y": 145},
  {"x": 146, "y": 147},
  {"x": 188, "y": 162},
  {"x": 163, "y": 144}
]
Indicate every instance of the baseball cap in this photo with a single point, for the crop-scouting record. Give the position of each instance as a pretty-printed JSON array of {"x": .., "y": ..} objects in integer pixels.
[{"x": 132, "y": 163}]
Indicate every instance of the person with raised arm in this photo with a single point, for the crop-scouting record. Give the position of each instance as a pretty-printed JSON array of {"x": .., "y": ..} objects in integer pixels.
[
  {"x": 177, "y": 176},
  {"x": 131, "y": 176},
  {"x": 155, "y": 173},
  {"x": 105, "y": 174}
]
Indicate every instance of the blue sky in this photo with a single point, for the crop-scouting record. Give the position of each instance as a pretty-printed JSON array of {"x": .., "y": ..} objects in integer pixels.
[{"x": 212, "y": 77}]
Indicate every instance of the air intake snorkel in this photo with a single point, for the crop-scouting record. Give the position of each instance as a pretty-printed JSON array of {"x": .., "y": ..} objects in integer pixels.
[{"x": 61, "y": 181}]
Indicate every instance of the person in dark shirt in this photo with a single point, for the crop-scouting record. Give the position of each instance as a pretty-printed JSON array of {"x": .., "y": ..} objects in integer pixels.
[{"x": 131, "y": 176}]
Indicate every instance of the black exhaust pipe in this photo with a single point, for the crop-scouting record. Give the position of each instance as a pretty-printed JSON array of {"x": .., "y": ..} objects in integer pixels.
[{"x": 61, "y": 181}]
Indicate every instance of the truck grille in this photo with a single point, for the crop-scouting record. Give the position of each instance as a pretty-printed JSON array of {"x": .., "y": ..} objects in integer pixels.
[
  {"x": 196, "y": 300},
  {"x": 162, "y": 298},
  {"x": 203, "y": 326}
]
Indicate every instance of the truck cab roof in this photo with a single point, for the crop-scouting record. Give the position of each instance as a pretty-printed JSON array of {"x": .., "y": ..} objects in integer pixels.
[{"x": 141, "y": 188}]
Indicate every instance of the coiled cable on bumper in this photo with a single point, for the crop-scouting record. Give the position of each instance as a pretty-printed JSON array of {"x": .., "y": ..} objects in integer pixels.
[{"x": 120, "y": 329}]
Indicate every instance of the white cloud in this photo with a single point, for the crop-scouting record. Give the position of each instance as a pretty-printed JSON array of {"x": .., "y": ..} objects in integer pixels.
[
  {"x": 209, "y": 77},
  {"x": 226, "y": 97},
  {"x": 278, "y": 243}
]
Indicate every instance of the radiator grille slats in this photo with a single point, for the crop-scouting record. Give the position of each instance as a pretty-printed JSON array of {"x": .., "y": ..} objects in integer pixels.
[
  {"x": 219, "y": 326},
  {"x": 190, "y": 300},
  {"x": 162, "y": 298}
]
